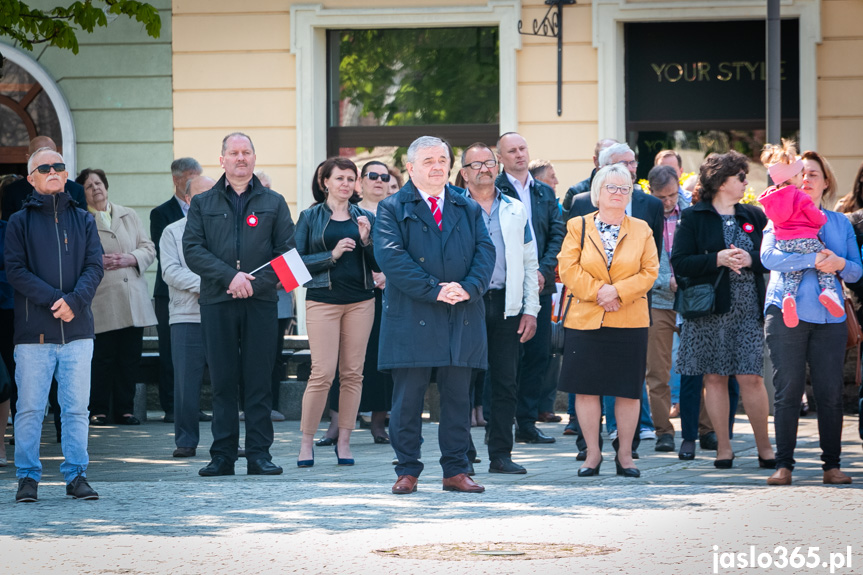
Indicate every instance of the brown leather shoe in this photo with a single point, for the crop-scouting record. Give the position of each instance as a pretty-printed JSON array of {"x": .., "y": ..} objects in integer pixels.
[
  {"x": 548, "y": 417},
  {"x": 836, "y": 477},
  {"x": 462, "y": 482},
  {"x": 405, "y": 484},
  {"x": 781, "y": 476}
]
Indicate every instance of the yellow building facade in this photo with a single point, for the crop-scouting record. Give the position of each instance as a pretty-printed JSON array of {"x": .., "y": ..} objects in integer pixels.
[{"x": 261, "y": 67}]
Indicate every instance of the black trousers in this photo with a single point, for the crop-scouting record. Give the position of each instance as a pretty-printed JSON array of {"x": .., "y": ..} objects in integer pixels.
[
  {"x": 409, "y": 387},
  {"x": 822, "y": 346},
  {"x": 238, "y": 342},
  {"x": 114, "y": 369},
  {"x": 166, "y": 360},
  {"x": 503, "y": 345},
  {"x": 532, "y": 381}
]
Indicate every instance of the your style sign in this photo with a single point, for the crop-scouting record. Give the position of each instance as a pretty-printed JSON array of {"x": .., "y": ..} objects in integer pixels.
[{"x": 736, "y": 71}]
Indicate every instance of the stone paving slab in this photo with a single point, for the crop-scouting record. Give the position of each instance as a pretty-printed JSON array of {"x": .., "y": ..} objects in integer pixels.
[{"x": 157, "y": 516}]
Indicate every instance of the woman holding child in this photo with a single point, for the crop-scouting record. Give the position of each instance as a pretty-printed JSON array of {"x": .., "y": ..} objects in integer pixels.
[{"x": 818, "y": 335}]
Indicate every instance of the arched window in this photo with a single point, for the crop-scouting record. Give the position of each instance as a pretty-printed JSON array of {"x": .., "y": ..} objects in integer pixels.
[{"x": 31, "y": 105}]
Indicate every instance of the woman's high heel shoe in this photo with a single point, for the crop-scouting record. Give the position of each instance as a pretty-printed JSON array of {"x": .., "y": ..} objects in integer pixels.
[
  {"x": 590, "y": 471},
  {"x": 626, "y": 471},
  {"x": 724, "y": 463},
  {"x": 340, "y": 461},
  {"x": 307, "y": 462},
  {"x": 766, "y": 463}
]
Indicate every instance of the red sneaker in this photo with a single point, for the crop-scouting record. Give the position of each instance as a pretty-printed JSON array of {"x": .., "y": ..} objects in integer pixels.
[
  {"x": 830, "y": 300},
  {"x": 789, "y": 311}
]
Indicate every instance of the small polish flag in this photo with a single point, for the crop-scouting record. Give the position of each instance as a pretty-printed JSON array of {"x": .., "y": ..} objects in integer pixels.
[{"x": 290, "y": 269}]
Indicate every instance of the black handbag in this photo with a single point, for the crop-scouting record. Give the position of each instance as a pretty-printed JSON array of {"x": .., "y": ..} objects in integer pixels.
[
  {"x": 557, "y": 333},
  {"x": 698, "y": 301}
]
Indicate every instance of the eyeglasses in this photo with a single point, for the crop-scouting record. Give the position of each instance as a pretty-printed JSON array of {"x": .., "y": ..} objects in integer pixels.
[
  {"x": 374, "y": 176},
  {"x": 741, "y": 176},
  {"x": 629, "y": 164},
  {"x": 622, "y": 190},
  {"x": 46, "y": 168},
  {"x": 478, "y": 165}
]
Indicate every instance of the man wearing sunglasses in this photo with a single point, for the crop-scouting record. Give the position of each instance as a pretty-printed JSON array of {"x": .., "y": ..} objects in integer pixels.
[
  {"x": 17, "y": 193},
  {"x": 54, "y": 262}
]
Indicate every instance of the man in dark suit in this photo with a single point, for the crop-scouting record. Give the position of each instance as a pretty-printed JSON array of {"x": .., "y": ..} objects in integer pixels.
[
  {"x": 176, "y": 208},
  {"x": 548, "y": 231},
  {"x": 644, "y": 207},
  {"x": 17, "y": 193},
  {"x": 436, "y": 252}
]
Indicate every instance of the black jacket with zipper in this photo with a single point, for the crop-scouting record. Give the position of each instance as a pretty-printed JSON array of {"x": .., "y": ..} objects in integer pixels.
[
  {"x": 318, "y": 259},
  {"x": 217, "y": 243},
  {"x": 52, "y": 251}
]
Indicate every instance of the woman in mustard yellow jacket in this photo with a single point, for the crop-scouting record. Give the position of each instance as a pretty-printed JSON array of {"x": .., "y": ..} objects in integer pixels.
[{"x": 608, "y": 262}]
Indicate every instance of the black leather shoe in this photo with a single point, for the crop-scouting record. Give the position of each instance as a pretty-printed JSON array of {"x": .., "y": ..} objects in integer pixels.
[
  {"x": 590, "y": 471},
  {"x": 533, "y": 436},
  {"x": 664, "y": 442},
  {"x": 626, "y": 471},
  {"x": 28, "y": 489},
  {"x": 687, "y": 450},
  {"x": 204, "y": 416},
  {"x": 78, "y": 488},
  {"x": 708, "y": 441},
  {"x": 582, "y": 455},
  {"x": 263, "y": 466},
  {"x": 723, "y": 463},
  {"x": 128, "y": 420},
  {"x": 326, "y": 441},
  {"x": 218, "y": 466},
  {"x": 507, "y": 466},
  {"x": 766, "y": 463},
  {"x": 185, "y": 452}
]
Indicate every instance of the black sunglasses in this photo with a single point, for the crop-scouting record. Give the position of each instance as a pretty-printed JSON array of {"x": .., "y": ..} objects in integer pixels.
[
  {"x": 46, "y": 168},
  {"x": 742, "y": 176},
  {"x": 374, "y": 176}
]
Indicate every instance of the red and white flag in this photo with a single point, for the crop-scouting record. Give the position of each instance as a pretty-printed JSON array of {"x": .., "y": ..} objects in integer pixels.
[{"x": 291, "y": 270}]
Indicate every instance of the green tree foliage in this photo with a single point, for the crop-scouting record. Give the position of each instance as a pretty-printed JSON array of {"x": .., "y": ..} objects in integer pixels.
[
  {"x": 428, "y": 76},
  {"x": 59, "y": 26}
]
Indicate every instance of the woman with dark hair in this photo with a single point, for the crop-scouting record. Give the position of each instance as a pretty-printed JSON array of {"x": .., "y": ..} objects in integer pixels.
[
  {"x": 121, "y": 307},
  {"x": 334, "y": 239},
  {"x": 395, "y": 181},
  {"x": 853, "y": 201},
  {"x": 819, "y": 337},
  {"x": 717, "y": 243},
  {"x": 377, "y": 386}
]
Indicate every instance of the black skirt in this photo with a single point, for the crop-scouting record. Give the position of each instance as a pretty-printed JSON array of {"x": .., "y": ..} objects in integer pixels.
[{"x": 606, "y": 361}]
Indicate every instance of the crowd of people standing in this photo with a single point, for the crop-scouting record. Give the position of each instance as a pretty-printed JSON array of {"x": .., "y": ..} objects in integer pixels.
[{"x": 427, "y": 282}]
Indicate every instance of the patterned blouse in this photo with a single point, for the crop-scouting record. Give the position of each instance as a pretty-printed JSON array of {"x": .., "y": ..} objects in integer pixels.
[{"x": 609, "y": 234}]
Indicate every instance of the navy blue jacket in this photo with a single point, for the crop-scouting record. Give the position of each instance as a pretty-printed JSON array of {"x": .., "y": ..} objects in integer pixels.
[
  {"x": 548, "y": 227},
  {"x": 52, "y": 251},
  {"x": 416, "y": 256}
]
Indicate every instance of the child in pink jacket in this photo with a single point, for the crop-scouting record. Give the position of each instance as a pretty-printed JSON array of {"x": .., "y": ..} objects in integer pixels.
[{"x": 796, "y": 223}]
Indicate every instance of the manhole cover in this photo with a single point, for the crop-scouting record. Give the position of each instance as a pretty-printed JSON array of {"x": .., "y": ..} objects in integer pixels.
[{"x": 494, "y": 551}]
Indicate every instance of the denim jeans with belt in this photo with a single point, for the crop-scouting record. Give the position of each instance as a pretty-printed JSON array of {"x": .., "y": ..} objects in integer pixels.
[{"x": 36, "y": 364}]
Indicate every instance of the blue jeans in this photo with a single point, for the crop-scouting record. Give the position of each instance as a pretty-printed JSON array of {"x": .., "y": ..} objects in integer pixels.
[
  {"x": 644, "y": 419},
  {"x": 674, "y": 380},
  {"x": 35, "y": 365}
]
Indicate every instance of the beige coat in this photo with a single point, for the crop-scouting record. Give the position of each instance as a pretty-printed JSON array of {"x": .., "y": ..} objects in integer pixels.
[{"x": 122, "y": 299}]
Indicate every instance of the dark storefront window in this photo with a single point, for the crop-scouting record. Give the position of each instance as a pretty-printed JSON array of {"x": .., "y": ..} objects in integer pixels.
[
  {"x": 699, "y": 87},
  {"x": 386, "y": 87}
]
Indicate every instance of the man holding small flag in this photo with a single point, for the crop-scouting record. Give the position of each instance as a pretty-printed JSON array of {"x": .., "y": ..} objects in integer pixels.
[{"x": 236, "y": 228}]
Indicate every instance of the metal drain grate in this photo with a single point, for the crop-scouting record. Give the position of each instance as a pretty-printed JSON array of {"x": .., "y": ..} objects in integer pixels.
[{"x": 497, "y": 551}]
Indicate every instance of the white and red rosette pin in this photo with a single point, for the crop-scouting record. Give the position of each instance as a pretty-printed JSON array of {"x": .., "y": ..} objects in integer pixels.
[
  {"x": 748, "y": 228},
  {"x": 252, "y": 220}
]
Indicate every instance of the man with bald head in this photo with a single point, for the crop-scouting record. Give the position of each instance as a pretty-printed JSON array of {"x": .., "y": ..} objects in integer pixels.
[
  {"x": 548, "y": 230},
  {"x": 184, "y": 287},
  {"x": 16, "y": 193},
  {"x": 53, "y": 261},
  {"x": 237, "y": 227}
]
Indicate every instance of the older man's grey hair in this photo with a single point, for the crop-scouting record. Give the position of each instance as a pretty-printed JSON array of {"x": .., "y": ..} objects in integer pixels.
[
  {"x": 660, "y": 177},
  {"x": 611, "y": 151},
  {"x": 605, "y": 174},
  {"x": 31, "y": 163},
  {"x": 182, "y": 165},
  {"x": 422, "y": 143},
  {"x": 236, "y": 135}
]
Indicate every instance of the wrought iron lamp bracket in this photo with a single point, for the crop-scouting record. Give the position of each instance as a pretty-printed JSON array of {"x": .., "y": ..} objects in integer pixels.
[{"x": 551, "y": 26}]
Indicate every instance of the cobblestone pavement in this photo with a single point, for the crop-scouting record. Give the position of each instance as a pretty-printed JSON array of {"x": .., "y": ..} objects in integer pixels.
[{"x": 157, "y": 516}]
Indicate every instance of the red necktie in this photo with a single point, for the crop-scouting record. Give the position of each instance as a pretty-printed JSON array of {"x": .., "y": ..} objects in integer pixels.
[{"x": 436, "y": 212}]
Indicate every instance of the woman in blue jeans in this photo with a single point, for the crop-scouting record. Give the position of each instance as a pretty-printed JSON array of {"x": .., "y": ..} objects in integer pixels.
[{"x": 819, "y": 338}]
